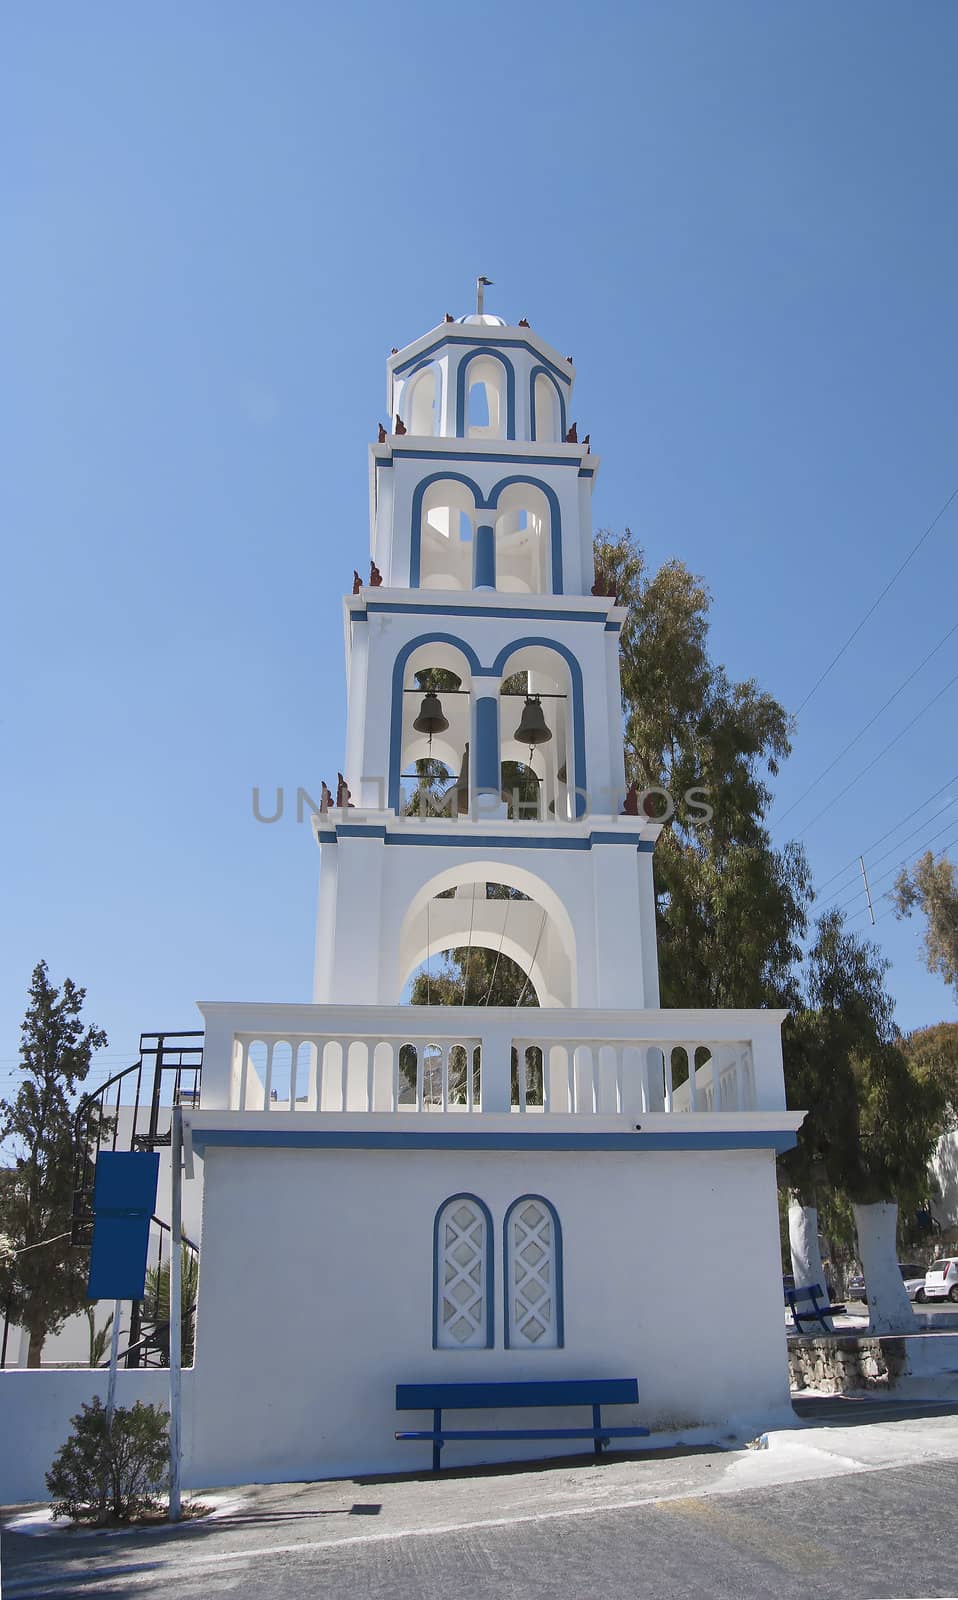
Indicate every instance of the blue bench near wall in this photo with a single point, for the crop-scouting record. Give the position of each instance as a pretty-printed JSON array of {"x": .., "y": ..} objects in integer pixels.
[
  {"x": 817, "y": 1309},
  {"x": 594, "y": 1392}
]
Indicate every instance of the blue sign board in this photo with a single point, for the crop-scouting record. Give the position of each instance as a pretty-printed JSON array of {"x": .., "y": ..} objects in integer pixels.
[{"x": 124, "y": 1199}]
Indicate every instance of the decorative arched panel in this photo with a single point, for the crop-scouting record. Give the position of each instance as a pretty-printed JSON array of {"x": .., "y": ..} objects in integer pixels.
[
  {"x": 462, "y": 1283},
  {"x": 532, "y": 1268}
]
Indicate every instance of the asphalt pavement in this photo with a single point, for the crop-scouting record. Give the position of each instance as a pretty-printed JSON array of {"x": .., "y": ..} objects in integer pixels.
[{"x": 859, "y": 1498}]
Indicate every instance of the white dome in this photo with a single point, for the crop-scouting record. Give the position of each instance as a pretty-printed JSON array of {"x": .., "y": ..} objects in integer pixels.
[{"x": 485, "y": 319}]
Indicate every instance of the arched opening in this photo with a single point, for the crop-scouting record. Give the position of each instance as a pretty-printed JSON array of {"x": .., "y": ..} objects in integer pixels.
[
  {"x": 485, "y": 399},
  {"x": 523, "y": 540},
  {"x": 421, "y": 400},
  {"x": 547, "y": 410},
  {"x": 446, "y": 536},
  {"x": 434, "y": 770},
  {"x": 536, "y": 735},
  {"x": 469, "y": 937}
]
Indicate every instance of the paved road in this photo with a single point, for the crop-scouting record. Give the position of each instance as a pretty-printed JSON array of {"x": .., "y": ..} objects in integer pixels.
[{"x": 696, "y": 1523}]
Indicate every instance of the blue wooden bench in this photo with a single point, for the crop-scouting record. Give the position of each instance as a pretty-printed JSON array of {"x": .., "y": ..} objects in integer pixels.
[
  {"x": 816, "y": 1311},
  {"x": 594, "y": 1392}
]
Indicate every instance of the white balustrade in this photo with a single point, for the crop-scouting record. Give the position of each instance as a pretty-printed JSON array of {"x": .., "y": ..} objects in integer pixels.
[{"x": 465, "y": 1060}]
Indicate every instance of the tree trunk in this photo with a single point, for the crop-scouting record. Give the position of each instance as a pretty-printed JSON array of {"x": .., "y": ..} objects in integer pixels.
[
  {"x": 803, "y": 1243},
  {"x": 888, "y": 1304},
  {"x": 35, "y": 1347}
]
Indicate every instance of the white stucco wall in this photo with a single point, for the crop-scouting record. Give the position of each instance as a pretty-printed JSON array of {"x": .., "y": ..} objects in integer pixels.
[
  {"x": 35, "y": 1412},
  {"x": 317, "y": 1299}
]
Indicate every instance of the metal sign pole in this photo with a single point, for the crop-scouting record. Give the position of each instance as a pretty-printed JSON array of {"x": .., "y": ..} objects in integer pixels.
[
  {"x": 114, "y": 1349},
  {"x": 176, "y": 1307}
]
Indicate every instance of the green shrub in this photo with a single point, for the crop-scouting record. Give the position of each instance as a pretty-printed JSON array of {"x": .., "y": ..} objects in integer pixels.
[{"x": 111, "y": 1473}]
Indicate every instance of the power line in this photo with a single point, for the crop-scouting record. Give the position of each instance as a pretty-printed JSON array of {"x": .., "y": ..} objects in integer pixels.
[
  {"x": 876, "y": 603},
  {"x": 875, "y": 759},
  {"x": 908, "y": 844},
  {"x": 871, "y": 722},
  {"x": 916, "y": 850},
  {"x": 895, "y": 826},
  {"x": 897, "y": 867}
]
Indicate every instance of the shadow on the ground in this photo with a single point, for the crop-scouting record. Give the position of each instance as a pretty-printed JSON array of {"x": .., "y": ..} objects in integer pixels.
[
  {"x": 858, "y": 1410},
  {"x": 502, "y": 1469}
]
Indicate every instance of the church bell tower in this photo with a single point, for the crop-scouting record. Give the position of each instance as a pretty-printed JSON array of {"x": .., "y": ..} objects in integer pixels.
[{"x": 484, "y": 726}]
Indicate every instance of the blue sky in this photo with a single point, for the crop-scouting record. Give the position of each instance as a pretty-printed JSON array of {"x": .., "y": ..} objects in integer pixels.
[{"x": 217, "y": 220}]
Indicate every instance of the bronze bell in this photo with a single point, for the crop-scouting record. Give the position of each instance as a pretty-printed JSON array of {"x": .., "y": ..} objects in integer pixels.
[
  {"x": 532, "y": 729},
  {"x": 430, "y": 719}
]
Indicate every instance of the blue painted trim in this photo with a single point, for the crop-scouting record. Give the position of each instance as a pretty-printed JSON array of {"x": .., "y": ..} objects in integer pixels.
[
  {"x": 481, "y": 348},
  {"x": 487, "y": 744},
  {"x": 476, "y": 453},
  {"x": 543, "y": 371},
  {"x": 638, "y": 1143},
  {"x": 484, "y": 503},
  {"x": 612, "y": 627},
  {"x": 415, "y": 543},
  {"x": 484, "y": 557},
  {"x": 586, "y": 472},
  {"x": 555, "y": 519},
  {"x": 395, "y": 724},
  {"x": 461, "y": 372},
  {"x": 557, "y": 1273},
  {"x": 488, "y": 1267},
  {"x": 484, "y": 841},
  {"x": 578, "y": 706},
  {"x": 465, "y": 612}
]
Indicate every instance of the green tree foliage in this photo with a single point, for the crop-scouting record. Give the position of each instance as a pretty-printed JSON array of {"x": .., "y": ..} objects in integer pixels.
[
  {"x": 156, "y": 1307},
  {"x": 872, "y": 1120},
  {"x": 731, "y": 909},
  {"x": 111, "y": 1472},
  {"x": 99, "y": 1337},
  {"x": 931, "y": 887},
  {"x": 933, "y": 1052},
  {"x": 36, "y": 1196}
]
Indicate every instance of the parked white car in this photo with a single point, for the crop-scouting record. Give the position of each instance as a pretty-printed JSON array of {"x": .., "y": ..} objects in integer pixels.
[{"x": 941, "y": 1280}]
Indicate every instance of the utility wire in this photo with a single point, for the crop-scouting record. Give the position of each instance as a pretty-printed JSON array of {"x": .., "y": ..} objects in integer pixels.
[
  {"x": 532, "y": 963},
  {"x": 894, "y": 828},
  {"x": 876, "y": 603},
  {"x": 472, "y": 918},
  {"x": 894, "y": 851},
  {"x": 897, "y": 867},
  {"x": 875, "y": 759},
  {"x": 870, "y": 723}
]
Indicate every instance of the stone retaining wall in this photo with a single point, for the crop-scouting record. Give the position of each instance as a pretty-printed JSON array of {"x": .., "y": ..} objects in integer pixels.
[{"x": 841, "y": 1363}]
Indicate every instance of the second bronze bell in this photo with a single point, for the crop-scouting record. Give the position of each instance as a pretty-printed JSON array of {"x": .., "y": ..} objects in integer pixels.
[{"x": 532, "y": 730}]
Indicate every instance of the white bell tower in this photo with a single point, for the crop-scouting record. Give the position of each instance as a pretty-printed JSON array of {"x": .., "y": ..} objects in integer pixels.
[{"x": 481, "y": 578}]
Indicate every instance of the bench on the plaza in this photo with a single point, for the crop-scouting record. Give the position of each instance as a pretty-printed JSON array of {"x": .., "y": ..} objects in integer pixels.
[
  {"x": 594, "y": 1392},
  {"x": 816, "y": 1311}
]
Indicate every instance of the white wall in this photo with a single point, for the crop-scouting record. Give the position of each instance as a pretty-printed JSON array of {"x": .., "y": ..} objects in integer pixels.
[
  {"x": 35, "y": 1412},
  {"x": 317, "y": 1298}
]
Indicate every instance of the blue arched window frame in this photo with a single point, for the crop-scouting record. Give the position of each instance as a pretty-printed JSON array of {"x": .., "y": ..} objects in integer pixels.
[
  {"x": 408, "y": 378},
  {"x": 557, "y": 1271},
  {"x": 580, "y": 767},
  {"x": 461, "y": 376},
  {"x": 395, "y": 716},
  {"x": 488, "y": 1287},
  {"x": 543, "y": 372}
]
